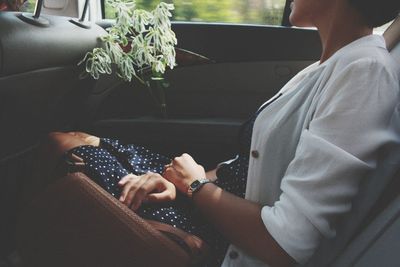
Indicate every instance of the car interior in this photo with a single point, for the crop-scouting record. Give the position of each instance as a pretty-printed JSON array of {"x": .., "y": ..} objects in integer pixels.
[{"x": 41, "y": 90}]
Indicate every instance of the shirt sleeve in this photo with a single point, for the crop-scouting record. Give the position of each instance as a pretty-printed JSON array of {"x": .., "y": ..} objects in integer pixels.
[{"x": 340, "y": 146}]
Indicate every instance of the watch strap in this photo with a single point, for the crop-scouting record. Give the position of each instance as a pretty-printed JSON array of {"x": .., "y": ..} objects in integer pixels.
[{"x": 196, "y": 185}]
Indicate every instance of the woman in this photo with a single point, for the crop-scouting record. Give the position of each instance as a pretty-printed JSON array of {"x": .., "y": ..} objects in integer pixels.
[{"x": 311, "y": 145}]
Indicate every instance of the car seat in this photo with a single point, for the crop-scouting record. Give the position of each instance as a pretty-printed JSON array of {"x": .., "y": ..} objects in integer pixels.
[{"x": 74, "y": 222}]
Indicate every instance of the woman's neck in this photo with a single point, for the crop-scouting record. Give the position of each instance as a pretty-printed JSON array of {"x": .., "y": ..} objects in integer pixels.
[{"x": 340, "y": 29}]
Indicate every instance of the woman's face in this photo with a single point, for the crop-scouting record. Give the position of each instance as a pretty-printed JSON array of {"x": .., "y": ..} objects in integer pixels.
[{"x": 306, "y": 13}]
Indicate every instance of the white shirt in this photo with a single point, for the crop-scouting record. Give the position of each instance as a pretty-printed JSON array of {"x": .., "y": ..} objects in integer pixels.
[{"x": 317, "y": 142}]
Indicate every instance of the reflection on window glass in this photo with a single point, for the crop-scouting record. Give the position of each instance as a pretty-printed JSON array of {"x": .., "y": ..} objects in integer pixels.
[
  {"x": 28, "y": 6},
  {"x": 17, "y": 5},
  {"x": 232, "y": 11}
]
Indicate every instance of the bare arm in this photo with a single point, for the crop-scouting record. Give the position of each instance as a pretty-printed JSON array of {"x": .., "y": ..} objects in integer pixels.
[{"x": 239, "y": 220}]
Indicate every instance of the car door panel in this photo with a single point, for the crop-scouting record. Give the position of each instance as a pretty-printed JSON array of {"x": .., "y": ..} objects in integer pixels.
[
  {"x": 44, "y": 107},
  {"x": 40, "y": 91},
  {"x": 249, "y": 65}
]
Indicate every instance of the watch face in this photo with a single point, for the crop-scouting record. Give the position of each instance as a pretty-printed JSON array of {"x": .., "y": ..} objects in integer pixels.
[{"x": 195, "y": 184}]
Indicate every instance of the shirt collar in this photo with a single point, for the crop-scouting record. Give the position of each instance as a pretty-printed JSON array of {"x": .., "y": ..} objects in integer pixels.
[{"x": 369, "y": 40}]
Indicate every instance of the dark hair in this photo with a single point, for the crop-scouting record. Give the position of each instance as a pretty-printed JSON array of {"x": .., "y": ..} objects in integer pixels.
[{"x": 377, "y": 12}]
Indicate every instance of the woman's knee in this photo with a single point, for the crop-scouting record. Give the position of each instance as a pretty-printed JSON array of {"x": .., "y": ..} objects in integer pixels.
[
  {"x": 57, "y": 143},
  {"x": 87, "y": 138}
]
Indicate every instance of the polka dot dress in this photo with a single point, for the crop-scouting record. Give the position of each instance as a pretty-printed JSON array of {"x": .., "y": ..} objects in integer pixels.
[{"x": 112, "y": 160}]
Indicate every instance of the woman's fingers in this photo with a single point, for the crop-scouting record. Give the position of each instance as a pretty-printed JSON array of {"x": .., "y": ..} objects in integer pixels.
[
  {"x": 125, "y": 179},
  {"x": 155, "y": 189},
  {"x": 124, "y": 193},
  {"x": 183, "y": 171},
  {"x": 150, "y": 186},
  {"x": 134, "y": 186},
  {"x": 170, "y": 174},
  {"x": 141, "y": 193},
  {"x": 181, "y": 161},
  {"x": 159, "y": 197},
  {"x": 173, "y": 175},
  {"x": 129, "y": 183},
  {"x": 167, "y": 194}
]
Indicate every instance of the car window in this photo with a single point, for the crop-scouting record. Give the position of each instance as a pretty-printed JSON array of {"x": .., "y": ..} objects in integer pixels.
[{"x": 229, "y": 11}]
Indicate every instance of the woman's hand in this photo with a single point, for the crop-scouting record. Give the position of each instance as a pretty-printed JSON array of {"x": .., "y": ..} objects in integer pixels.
[
  {"x": 150, "y": 187},
  {"x": 182, "y": 171}
]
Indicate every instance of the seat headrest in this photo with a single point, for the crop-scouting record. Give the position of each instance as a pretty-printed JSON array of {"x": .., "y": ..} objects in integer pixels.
[{"x": 392, "y": 38}]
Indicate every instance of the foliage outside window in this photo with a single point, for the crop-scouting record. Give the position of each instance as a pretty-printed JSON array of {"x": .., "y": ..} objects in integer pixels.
[
  {"x": 268, "y": 12},
  {"x": 140, "y": 45}
]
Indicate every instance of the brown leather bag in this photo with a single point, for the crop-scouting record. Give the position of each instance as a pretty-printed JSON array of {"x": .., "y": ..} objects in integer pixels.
[{"x": 74, "y": 222}]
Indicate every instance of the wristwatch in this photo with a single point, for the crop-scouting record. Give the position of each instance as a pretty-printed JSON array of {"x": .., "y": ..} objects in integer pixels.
[{"x": 196, "y": 185}]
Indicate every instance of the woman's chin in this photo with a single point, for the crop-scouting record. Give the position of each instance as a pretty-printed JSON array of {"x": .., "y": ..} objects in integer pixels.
[
  {"x": 298, "y": 22},
  {"x": 294, "y": 21}
]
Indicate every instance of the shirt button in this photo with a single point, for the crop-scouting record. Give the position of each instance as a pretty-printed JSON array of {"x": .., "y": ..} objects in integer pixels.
[
  {"x": 255, "y": 154},
  {"x": 233, "y": 255}
]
